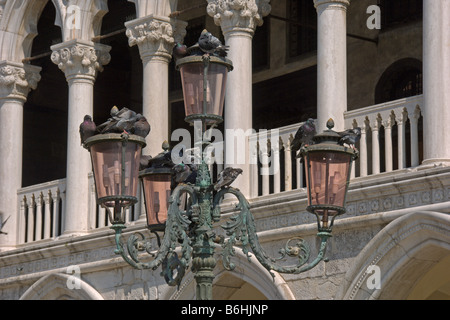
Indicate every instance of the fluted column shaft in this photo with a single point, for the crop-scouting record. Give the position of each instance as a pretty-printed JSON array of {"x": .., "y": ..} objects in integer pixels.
[
  {"x": 16, "y": 80},
  {"x": 80, "y": 61},
  {"x": 155, "y": 37},
  {"x": 238, "y": 21},
  {"x": 331, "y": 62},
  {"x": 436, "y": 80}
]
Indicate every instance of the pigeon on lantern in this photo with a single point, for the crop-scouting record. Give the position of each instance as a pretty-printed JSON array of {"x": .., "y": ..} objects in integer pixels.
[
  {"x": 121, "y": 121},
  {"x": 179, "y": 51},
  {"x": 350, "y": 137},
  {"x": 141, "y": 126},
  {"x": 304, "y": 135},
  {"x": 209, "y": 44},
  {"x": 87, "y": 128},
  {"x": 227, "y": 177}
]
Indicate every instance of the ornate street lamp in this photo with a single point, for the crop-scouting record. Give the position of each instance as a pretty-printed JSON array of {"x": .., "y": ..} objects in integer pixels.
[
  {"x": 191, "y": 227},
  {"x": 328, "y": 165},
  {"x": 115, "y": 161}
]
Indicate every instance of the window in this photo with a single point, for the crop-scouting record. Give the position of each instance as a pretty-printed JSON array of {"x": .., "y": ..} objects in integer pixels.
[
  {"x": 402, "y": 79},
  {"x": 302, "y": 27},
  {"x": 400, "y": 11}
]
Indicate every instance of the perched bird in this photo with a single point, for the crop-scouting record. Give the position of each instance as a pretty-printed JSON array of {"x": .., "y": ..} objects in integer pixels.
[
  {"x": 143, "y": 163},
  {"x": 209, "y": 44},
  {"x": 162, "y": 160},
  {"x": 227, "y": 177},
  {"x": 2, "y": 224},
  {"x": 182, "y": 173},
  {"x": 141, "y": 126},
  {"x": 179, "y": 51},
  {"x": 350, "y": 137},
  {"x": 121, "y": 121},
  {"x": 304, "y": 135},
  {"x": 87, "y": 128}
]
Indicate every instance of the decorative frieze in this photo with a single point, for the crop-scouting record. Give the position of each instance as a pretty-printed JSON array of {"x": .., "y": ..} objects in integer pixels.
[
  {"x": 80, "y": 59},
  {"x": 238, "y": 15},
  {"x": 17, "y": 80}
]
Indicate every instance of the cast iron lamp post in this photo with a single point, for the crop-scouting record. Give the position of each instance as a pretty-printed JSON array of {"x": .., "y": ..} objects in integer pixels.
[{"x": 328, "y": 166}]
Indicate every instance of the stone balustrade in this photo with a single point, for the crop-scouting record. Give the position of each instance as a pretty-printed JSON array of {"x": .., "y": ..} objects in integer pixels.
[{"x": 274, "y": 167}]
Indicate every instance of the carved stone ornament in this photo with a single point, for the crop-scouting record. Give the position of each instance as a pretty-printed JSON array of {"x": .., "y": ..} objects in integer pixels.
[
  {"x": 245, "y": 15},
  {"x": 79, "y": 59},
  {"x": 155, "y": 36},
  {"x": 17, "y": 80}
]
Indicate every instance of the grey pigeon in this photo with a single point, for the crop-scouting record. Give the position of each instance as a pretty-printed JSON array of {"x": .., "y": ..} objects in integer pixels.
[
  {"x": 227, "y": 177},
  {"x": 350, "y": 137},
  {"x": 141, "y": 126},
  {"x": 162, "y": 160},
  {"x": 121, "y": 121},
  {"x": 180, "y": 173},
  {"x": 179, "y": 51},
  {"x": 87, "y": 128},
  {"x": 304, "y": 135},
  {"x": 211, "y": 45},
  {"x": 143, "y": 163}
]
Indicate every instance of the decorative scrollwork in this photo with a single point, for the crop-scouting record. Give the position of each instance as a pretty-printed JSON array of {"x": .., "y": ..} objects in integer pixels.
[
  {"x": 242, "y": 227},
  {"x": 177, "y": 227}
]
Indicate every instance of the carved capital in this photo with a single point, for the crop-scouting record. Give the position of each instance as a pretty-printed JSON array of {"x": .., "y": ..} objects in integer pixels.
[
  {"x": 17, "y": 80},
  {"x": 79, "y": 59},
  {"x": 238, "y": 15},
  {"x": 155, "y": 36},
  {"x": 336, "y": 4}
]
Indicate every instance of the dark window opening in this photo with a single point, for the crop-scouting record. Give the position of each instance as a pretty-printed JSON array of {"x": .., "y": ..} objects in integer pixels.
[
  {"x": 302, "y": 28},
  {"x": 400, "y": 11}
]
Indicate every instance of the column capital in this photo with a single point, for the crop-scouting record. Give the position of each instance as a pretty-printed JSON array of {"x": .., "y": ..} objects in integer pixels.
[
  {"x": 338, "y": 4},
  {"x": 80, "y": 60},
  {"x": 155, "y": 36},
  {"x": 17, "y": 80},
  {"x": 238, "y": 15}
]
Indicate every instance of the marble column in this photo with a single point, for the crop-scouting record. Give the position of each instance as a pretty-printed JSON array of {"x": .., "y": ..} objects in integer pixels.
[
  {"x": 436, "y": 81},
  {"x": 16, "y": 80},
  {"x": 155, "y": 37},
  {"x": 238, "y": 21},
  {"x": 80, "y": 61},
  {"x": 331, "y": 62}
]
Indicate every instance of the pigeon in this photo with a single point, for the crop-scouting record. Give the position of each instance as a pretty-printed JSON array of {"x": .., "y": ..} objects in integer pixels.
[
  {"x": 2, "y": 224},
  {"x": 304, "y": 135},
  {"x": 141, "y": 126},
  {"x": 209, "y": 44},
  {"x": 182, "y": 173},
  {"x": 87, "y": 128},
  {"x": 162, "y": 160},
  {"x": 121, "y": 121},
  {"x": 227, "y": 177},
  {"x": 350, "y": 137},
  {"x": 179, "y": 51},
  {"x": 143, "y": 163}
]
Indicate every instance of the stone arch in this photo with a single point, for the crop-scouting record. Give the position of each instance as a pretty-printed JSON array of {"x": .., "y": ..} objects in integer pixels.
[
  {"x": 54, "y": 287},
  {"x": 393, "y": 76},
  {"x": 19, "y": 25},
  {"x": 249, "y": 280},
  {"x": 405, "y": 250}
]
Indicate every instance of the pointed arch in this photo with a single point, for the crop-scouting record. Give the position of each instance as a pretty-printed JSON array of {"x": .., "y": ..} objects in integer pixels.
[
  {"x": 405, "y": 250},
  {"x": 19, "y": 26},
  {"x": 54, "y": 287}
]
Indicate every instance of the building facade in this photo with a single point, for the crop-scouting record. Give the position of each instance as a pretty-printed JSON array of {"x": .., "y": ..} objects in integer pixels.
[{"x": 379, "y": 65}]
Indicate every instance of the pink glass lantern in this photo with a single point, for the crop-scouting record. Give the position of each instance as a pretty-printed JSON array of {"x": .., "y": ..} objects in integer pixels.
[
  {"x": 115, "y": 161},
  {"x": 204, "y": 81}
]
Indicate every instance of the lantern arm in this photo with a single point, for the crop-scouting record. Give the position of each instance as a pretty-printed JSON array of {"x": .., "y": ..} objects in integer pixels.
[
  {"x": 176, "y": 232},
  {"x": 242, "y": 227}
]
